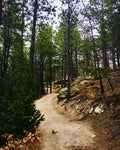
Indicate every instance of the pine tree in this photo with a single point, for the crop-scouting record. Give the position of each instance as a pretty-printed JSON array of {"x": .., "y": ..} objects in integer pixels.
[{"x": 70, "y": 21}]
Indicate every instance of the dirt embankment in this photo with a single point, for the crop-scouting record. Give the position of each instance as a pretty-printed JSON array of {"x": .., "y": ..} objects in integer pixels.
[{"x": 102, "y": 111}]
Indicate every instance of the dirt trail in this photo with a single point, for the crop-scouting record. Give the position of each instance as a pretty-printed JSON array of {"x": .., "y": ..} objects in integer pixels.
[{"x": 68, "y": 134}]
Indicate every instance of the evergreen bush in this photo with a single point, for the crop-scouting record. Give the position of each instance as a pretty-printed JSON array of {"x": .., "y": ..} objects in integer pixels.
[{"x": 17, "y": 109}]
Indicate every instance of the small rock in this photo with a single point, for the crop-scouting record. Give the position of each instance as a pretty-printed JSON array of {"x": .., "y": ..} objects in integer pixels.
[
  {"x": 91, "y": 110},
  {"x": 77, "y": 107},
  {"x": 93, "y": 136},
  {"x": 20, "y": 146},
  {"x": 99, "y": 109},
  {"x": 78, "y": 101},
  {"x": 53, "y": 131}
]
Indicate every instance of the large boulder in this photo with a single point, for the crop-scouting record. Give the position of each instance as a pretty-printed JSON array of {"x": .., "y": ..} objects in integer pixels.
[
  {"x": 84, "y": 82},
  {"x": 81, "y": 80},
  {"x": 74, "y": 91},
  {"x": 62, "y": 94}
]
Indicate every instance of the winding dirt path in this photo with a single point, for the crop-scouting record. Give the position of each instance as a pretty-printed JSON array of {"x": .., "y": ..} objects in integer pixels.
[{"x": 68, "y": 134}]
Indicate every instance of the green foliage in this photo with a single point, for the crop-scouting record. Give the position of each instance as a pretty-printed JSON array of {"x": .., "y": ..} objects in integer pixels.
[
  {"x": 3, "y": 141},
  {"x": 18, "y": 112},
  {"x": 45, "y": 53},
  {"x": 100, "y": 72}
]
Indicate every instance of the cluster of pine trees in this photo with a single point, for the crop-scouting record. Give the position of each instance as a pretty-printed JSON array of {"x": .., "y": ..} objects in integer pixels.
[
  {"x": 88, "y": 39},
  {"x": 72, "y": 50},
  {"x": 21, "y": 67}
]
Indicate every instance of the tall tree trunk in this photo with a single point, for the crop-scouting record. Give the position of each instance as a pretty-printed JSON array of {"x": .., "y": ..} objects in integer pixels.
[
  {"x": 118, "y": 39},
  {"x": 65, "y": 72},
  {"x": 95, "y": 52},
  {"x": 62, "y": 73},
  {"x": 0, "y": 65},
  {"x": 93, "y": 40},
  {"x": 65, "y": 61},
  {"x": 103, "y": 38},
  {"x": 0, "y": 75},
  {"x": 118, "y": 57},
  {"x": 41, "y": 81},
  {"x": 105, "y": 59},
  {"x": 6, "y": 48},
  {"x": 76, "y": 62},
  {"x": 22, "y": 31},
  {"x": 71, "y": 64},
  {"x": 32, "y": 48},
  {"x": 113, "y": 56},
  {"x": 1, "y": 11},
  {"x": 54, "y": 76},
  {"x": 101, "y": 85},
  {"x": 50, "y": 74},
  {"x": 46, "y": 76},
  {"x": 68, "y": 52}
]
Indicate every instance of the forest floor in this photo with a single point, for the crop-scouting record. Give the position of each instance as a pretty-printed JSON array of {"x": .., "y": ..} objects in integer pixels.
[
  {"x": 59, "y": 132},
  {"x": 102, "y": 111}
]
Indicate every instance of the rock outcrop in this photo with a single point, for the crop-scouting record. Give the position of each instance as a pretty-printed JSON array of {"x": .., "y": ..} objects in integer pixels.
[
  {"x": 81, "y": 80},
  {"x": 63, "y": 92},
  {"x": 86, "y": 98}
]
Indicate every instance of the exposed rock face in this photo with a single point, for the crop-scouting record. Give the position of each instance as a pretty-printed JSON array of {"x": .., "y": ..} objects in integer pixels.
[
  {"x": 74, "y": 91},
  {"x": 81, "y": 80},
  {"x": 84, "y": 82},
  {"x": 63, "y": 93}
]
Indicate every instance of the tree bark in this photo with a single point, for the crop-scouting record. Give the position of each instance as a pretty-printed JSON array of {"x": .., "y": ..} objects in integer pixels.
[
  {"x": 6, "y": 48},
  {"x": 76, "y": 61},
  {"x": 103, "y": 38},
  {"x": 32, "y": 48},
  {"x": 118, "y": 57},
  {"x": 41, "y": 81},
  {"x": 95, "y": 53},
  {"x": 54, "y": 76},
  {"x": 113, "y": 56},
  {"x": 101, "y": 85},
  {"x": 65, "y": 63},
  {"x": 68, "y": 52},
  {"x": 62, "y": 73},
  {"x": 50, "y": 74},
  {"x": 22, "y": 31},
  {"x": 1, "y": 11},
  {"x": 96, "y": 60}
]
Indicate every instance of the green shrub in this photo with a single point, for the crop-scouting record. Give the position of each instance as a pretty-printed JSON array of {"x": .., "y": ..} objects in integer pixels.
[
  {"x": 3, "y": 141},
  {"x": 17, "y": 110}
]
